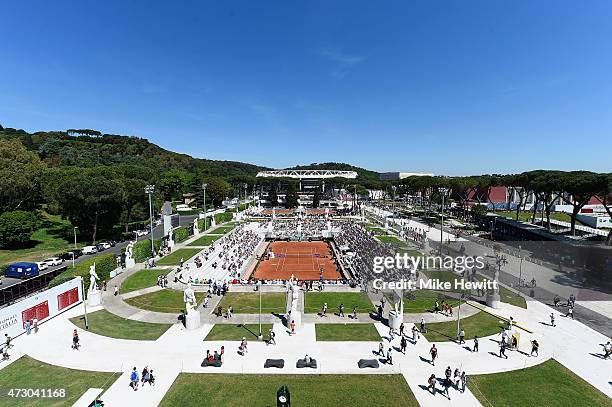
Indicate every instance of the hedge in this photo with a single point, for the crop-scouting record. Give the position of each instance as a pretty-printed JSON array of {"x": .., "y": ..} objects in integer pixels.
[
  {"x": 201, "y": 225},
  {"x": 105, "y": 263},
  {"x": 180, "y": 234},
  {"x": 223, "y": 217},
  {"x": 142, "y": 249}
]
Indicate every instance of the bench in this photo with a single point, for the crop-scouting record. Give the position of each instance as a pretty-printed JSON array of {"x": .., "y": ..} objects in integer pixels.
[
  {"x": 278, "y": 363},
  {"x": 88, "y": 397},
  {"x": 363, "y": 363},
  {"x": 301, "y": 363},
  {"x": 214, "y": 363}
]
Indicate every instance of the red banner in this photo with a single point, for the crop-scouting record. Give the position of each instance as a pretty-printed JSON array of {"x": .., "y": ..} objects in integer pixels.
[
  {"x": 67, "y": 298},
  {"x": 40, "y": 312}
]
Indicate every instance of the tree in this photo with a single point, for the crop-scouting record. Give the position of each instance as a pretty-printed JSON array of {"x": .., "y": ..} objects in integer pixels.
[
  {"x": 217, "y": 190},
  {"x": 291, "y": 199},
  {"x": 316, "y": 199},
  {"x": 479, "y": 210},
  {"x": 16, "y": 228},
  {"x": 273, "y": 196},
  {"x": 582, "y": 186},
  {"x": 20, "y": 172},
  {"x": 604, "y": 195},
  {"x": 90, "y": 199}
]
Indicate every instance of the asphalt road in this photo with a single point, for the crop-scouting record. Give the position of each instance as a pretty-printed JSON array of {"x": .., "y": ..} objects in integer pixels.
[{"x": 158, "y": 232}]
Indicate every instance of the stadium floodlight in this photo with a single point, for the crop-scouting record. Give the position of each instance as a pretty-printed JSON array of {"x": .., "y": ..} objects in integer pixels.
[{"x": 149, "y": 191}]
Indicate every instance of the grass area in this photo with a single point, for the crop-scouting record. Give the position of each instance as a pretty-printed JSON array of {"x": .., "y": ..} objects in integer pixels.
[
  {"x": 410, "y": 252},
  {"x": 230, "y": 332},
  {"x": 174, "y": 258},
  {"x": 480, "y": 324},
  {"x": 233, "y": 390},
  {"x": 221, "y": 230},
  {"x": 28, "y": 373},
  {"x": 248, "y": 303},
  {"x": 47, "y": 241},
  {"x": 205, "y": 240},
  {"x": 507, "y": 296},
  {"x": 547, "y": 384},
  {"x": 347, "y": 332},
  {"x": 314, "y": 302},
  {"x": 142, "y": 279},
  {"x": 526, "y": 216},
  {"x": 376, "y": 229},
  {"x": 106, "y": 324},
  {"x": 170, "y": 301},
  {"x": 392, "y": 240},
  {"x": 425, "y": 301}
]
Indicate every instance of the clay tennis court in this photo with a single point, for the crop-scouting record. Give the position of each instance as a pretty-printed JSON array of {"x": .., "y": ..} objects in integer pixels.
[{"x": 302, "y": 259}]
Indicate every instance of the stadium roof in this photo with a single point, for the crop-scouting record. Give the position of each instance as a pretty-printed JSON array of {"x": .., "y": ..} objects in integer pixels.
[{"x": 307, "y": 174}]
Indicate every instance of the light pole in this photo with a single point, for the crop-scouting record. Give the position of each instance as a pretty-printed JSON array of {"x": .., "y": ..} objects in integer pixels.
[
  {"x": 259, "y": 289},
  {"x": 75, "y": 245},
  {"x": 149, "y": 191},
  {"x": 442, "y": 191},
  {"x": 245, "y": 196},
  {"x": 204, "y": 185}
]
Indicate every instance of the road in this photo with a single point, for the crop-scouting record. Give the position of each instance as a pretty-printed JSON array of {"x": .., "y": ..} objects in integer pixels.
[{"x": 158, "y": 232}]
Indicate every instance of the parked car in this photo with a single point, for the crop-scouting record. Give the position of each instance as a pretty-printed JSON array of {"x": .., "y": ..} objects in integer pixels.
[
  {"x": 140, "y": 233},
  {"x": 100, "y": 247},
  {"x": 112, "y": 243},
  {"x": 21, "y": 270},
  {"x": 42, "y": 265},
  {"x": 76, "y": 253},
  {"x": 90, "y": 250},
  {"x": 53, "y": 261}
]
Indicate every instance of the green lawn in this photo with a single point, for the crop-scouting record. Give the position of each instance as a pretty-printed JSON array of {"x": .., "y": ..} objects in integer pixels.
[
  {"x": 174, "y": 258},
  {"x": 104, "y": 323},
  {"x": 248, "y": 303},
  {"x": 410, "y": 252},
  {"x": 46, "y": 242},
  {"x": 392, "y": 240},
  {"x": 347, "y": 332},
  {"x": 28, "y": 373},
  {"x": 507, "y": 296},
  {"x": 377, "y": 230},
  {"x": 525, "y": 216},
  {"x": 232, "y": 390},
  {"x": 230, "y": 332},
  {"x": 547, "y": 384},
  {"x": 205, "y": 240},
  {"x": 142, "y": 279},
  {"x": 425, "y": 301},
  {"x": 314, "y": 302},
  {"x": 221, "y": 230},
  {"x": 480, "y": 324},
  {"x": 170, "y": 301}
]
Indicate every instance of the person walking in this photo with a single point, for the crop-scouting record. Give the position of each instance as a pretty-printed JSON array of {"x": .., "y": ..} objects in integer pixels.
[
  {"x": 354, "y": 312},
  {"x": 341, "y": 310},
  {"x": 535, "y": 346},
  {"x": 423, "y": 330},
  {"x": 552, "y": 319},
  {"x": 607, "y": 350},
  {"x": 75, "y": 340},
  {"x": 475, "y": 348},
  {"x": 272, "y": 341},
  {"x": 115, "y": 291},
  {"x": 401, "y": 330},
  {"x": 35, "y": 325},
  {"x": 391, "y": 333},
  {"x": 28, "y": 327},
  {"x": 570, "y": 312},
  {"x": 292, "y": 326},
  {"x": 464, "y": 379},
  {"x": 381, "y": 349},
  {"x": 205, "y": 304},
  {"x": 434, "y": 354},
  {"x": 134, "y": 379},
  {"x": 502, "y": 349},
  {"x": 403, "y": 344},
  {"x": 431, "y": 384},
  {"x": 389, "y": 357},
  {"x": 461, "y": 336},
  {"x": 415, "y": 333},
  {"x": 324, "y": 310}
]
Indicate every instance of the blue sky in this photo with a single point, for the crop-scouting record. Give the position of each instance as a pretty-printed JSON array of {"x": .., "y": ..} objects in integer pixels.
[{"x": 447, "y": 87}]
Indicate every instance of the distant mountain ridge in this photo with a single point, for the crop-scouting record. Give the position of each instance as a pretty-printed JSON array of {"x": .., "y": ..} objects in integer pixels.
[{"x": 90, "y": 148}]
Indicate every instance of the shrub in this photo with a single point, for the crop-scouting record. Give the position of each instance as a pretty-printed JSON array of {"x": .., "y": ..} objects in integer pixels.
[
  {"x": 202, "y": 226},
  {"x": 180, "y": 234},
  {"x": 105, "y": 263},
  {"x": 16, "y": 228},
  {"x": 223, "y": 217},
  {"x": 142, "y": 249}
]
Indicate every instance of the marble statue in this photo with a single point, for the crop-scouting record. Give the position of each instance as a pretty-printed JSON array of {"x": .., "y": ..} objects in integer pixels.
[
  {"x": 189, "y": 299},
  {"x": 129, "y": 251},
  {"x": 93, "y": 277}
]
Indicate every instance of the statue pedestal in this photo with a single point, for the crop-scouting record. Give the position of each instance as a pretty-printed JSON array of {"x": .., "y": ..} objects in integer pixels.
[
  {"x": 192, "y": 320},
  {"x": 94, "y": 298},
  {"x": 129, "y": 263},
  {"x": 493, "y": 300},
  {"x": 171, "y": 244},
  {"x": 395, "y": 320},
  {"x": 296, "y": 317}
]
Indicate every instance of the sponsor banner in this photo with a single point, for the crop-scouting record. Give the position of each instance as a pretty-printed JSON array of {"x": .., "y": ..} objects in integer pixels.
[{"x": 41, "y": 306}]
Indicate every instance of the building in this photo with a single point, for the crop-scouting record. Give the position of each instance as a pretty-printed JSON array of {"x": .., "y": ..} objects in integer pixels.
[{"x": 395, "y": 176}]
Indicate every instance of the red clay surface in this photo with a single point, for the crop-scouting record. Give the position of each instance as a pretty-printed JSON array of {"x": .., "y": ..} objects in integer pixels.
[
  {"x": 306, "y": 266},
  {"x": 278, "y": 211}
]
